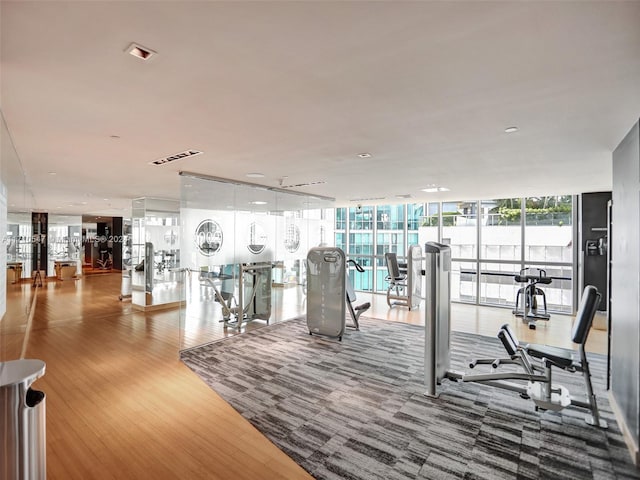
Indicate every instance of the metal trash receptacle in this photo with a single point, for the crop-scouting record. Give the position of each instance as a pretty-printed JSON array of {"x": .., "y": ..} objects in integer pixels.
[
  {"x": 22, "y": 421},
  {"x": 126, "y": 286}
]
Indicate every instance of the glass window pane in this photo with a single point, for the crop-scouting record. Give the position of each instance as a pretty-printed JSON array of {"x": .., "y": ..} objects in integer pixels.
[
  {"x": 390, "y": 242},
  {"x": 360, "y": 244},
  {"x": 497, "y": 283},
  {"x": 501, "y": 231},
  {"x": 341, "y": 218},
  {"x": 361, "y": 218},
  {"x": 459, "y": 229},
  {"x": 415, "y": 214},
  {"x": 429, "y": 224},
  {"x": 381, "y": 274},
  {"x": 362, "y": 280},
  {"x": 390, "y": 217},
  {"x": 548, "y": 229},
  {"x": 463, "y": 281}
]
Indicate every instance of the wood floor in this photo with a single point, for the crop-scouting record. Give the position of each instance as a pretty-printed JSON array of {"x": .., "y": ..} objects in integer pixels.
[{"x": 120, "y": 404}]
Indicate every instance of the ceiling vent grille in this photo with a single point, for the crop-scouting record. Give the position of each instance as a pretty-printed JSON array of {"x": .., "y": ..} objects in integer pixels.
[
  {"x": 369, "y": 199},
  {"x": 175, "y": 156},
  {"x": 303, "y": 184}
]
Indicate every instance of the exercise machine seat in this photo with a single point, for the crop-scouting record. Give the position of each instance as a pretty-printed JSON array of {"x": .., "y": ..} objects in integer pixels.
[
  {"x": 558, "y": 356},
  {"x": 393, "y": 268},
  {"x": 586, "y": 311}
]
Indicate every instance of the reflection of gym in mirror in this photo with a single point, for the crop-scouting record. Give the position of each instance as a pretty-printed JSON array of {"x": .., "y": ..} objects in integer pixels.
[
  {"x": 208, "y": 237},
  {"x": 171, "y": 237},
  {"x": 292, "y": 238},
  {"x": 257, "y": 238}
]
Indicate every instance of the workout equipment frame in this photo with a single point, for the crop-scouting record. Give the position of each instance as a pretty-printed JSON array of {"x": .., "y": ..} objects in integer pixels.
[
  {"x": 530, "y": 293},
  {"x": 537, "y": 362},
  {"x": 405, "y": 288},
  {"x": 254, "y": 306},
  {"x": 437, "y": 317}
]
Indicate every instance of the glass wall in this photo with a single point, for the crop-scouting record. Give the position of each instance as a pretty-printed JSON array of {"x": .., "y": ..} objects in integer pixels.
[
  {"x": 155, "y": 253},
  {"x": 244, "y": 247}
]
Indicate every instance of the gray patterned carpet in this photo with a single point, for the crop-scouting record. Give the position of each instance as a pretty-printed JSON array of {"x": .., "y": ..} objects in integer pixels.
[{"x": 355, "y": 409}]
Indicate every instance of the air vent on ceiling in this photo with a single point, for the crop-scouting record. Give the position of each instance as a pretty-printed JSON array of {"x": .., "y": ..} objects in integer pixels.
[
  {"x": 176, "y": 156},
  {"x": 370, "y": 199},
  {"x": 303, "y": 184}
]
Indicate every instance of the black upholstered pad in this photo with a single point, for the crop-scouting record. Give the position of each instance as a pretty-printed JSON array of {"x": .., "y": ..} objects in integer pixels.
[{"x": 560, "y": 356}]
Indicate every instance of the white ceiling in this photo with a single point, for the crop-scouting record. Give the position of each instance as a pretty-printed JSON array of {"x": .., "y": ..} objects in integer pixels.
[{"x": 299, "y": 89}]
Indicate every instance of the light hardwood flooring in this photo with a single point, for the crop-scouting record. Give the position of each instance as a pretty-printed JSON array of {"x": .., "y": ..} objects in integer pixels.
[{"x": 120, "y": 404}]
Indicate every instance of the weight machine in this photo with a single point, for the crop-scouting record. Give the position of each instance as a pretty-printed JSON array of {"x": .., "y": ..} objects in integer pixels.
[
  {"x": 330, "y": 292},
  {"x": 253, "y": 298},
  {"x": 405, "y": 280},
  {"x": 535, "y": 363}
]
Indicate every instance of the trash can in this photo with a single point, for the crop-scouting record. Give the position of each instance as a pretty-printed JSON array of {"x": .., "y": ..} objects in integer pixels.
[
  {"x": 22, "y": 421},
  {"x": 125, "y": 288}
]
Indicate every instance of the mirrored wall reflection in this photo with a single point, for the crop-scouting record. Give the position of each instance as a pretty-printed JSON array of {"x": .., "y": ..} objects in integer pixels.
[
  {"x": 245, "y": 247},
  {"x": 16, "y": 204},
  {"x": 64, "y": 241},
  {"x": 19, "y": 246}
]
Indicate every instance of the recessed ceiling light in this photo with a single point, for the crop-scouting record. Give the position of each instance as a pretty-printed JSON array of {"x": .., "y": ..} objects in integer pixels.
[
  {"x": 255, "y": 175},
  {"x": 139, "y": 51},
  {"x": 188, "y": 185},
  {"x": 52, "y": 173},
  {"x": 435, "y": 189},
  {"x": 106, "y": 199},
  {"x": 364, "y": 155},
  {"x": 258, "y": 202},
  {"x": 510, "y": 129}
]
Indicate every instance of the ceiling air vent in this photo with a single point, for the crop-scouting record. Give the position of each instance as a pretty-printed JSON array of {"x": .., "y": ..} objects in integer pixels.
[
  {"x": 308, "y": 184},
  {"x": 175, "y": 156},
  {"x": 370, "y": 199}
]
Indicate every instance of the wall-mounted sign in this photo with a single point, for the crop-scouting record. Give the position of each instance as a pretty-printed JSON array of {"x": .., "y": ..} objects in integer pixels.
[
  {"x": 208, "y": 237},
  {"x": 257, "y": 238}
]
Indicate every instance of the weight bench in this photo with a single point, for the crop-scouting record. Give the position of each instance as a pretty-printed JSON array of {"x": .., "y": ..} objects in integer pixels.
[{"x": 537, "y": 362}]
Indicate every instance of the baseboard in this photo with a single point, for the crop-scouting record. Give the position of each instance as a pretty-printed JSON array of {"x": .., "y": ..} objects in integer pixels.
[{"x": 628, "y": 437}]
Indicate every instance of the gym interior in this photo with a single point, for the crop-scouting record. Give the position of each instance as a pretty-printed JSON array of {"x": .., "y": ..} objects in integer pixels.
[{"x": 244, "y": 325}]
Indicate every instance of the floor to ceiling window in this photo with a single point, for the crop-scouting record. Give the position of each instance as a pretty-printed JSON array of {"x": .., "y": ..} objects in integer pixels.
[{"x": 491, "y": 241}]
